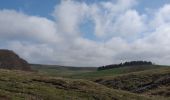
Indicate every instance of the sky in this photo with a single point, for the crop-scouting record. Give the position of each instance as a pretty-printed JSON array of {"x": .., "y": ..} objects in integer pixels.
[{"x": 86, "y": 32}]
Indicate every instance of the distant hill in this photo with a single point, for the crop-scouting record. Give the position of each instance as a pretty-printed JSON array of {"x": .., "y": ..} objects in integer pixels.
[
  {"x": 115, "y": 71},
  {"x": 91, "y": 72},
  {"x": 10, "y": 60},
  {"x": 61, "y": 71},
  {"x": 125, "y": 64},
  {"x": 37, "y": 66}
]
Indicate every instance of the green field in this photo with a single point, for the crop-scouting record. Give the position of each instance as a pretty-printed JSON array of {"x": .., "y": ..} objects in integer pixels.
[
  {"x": 20, "y": 85},
  {"x": 88, "y": 72},
  {"x": 129, "y": 78},
  {"x": 52, "y": 82},
  {"x": 62, "y": 71},
  {"x": 151, "y": 82}
]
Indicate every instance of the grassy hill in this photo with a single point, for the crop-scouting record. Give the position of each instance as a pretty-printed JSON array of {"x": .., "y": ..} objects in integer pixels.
[
  {"x": 88, "y": 72},
  {"x": 20, "y": 85},
  {"x": 150, "y": 82},
  {"x": 61, "y": 71},
  {"x": 114, "y": 71}
]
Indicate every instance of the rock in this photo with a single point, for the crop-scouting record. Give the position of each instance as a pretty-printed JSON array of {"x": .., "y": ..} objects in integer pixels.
[{"x": 10, "y": 60}]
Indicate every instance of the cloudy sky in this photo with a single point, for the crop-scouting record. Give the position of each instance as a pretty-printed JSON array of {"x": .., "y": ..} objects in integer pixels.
[{"x": 86, "y": 32}]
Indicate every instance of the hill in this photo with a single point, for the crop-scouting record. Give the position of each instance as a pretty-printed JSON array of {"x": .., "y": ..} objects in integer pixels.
[
  {"x": 150, "y": 82},
  {"x": 114, "y": 71},
  {"x": 61, "y": 71},
  {"x": 20, "y": 85},
  {"x": 88, "y": 72},
  {"x": 10, "y": 60}
]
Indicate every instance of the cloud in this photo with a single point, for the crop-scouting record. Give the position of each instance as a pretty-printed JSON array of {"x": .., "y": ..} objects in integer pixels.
[
  {"x": 17, "y": 25},
  {"x": 69, "y": 15},
  {"x": 121, "y": 32},
  {"x": 117, "y": 19},
  {"x": 162, "y": 16},
  {"x": 129, "y": 24}
]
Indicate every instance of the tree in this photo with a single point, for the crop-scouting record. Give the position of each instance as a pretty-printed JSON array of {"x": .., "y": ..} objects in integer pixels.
[{"x": 131, "y": 63}]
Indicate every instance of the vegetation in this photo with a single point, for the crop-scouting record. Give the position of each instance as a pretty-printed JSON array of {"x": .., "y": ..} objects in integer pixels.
[
  {"x": 150, "y": 82},
  {"x": 113, "y": 72},
  {"x": 125, "y": 64},
  {"x": 61, "y": 71},
  {"x": 19, "y": 85},
  {"x": 88, "y": 72}
]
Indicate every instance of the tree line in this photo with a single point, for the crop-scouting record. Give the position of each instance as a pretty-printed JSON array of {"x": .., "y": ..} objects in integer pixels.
[{"x": 131, "y": 63}]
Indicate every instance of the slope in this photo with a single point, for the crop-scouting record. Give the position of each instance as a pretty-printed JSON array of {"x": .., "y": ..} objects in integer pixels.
[
  {"x": 150, "y": 82},
  {"x": 61, "y": 71},
  {"x": 114, "y": 71},
  {"x": 20, "y": 85}
]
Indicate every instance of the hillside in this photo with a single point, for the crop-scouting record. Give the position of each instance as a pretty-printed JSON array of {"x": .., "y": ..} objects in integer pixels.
[
  {"x": 88, "y": 72},
  {"x": 10, "y": 60},
  {"x": 150, "y": 82},
  {"x": 61, "y": 71},
  {"x": 114, "y": 71},
  {"x": 20, "y": 85}
]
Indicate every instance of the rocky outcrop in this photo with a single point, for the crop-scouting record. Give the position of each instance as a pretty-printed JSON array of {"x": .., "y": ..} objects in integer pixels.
[
  {"x": 164, "y": 80},
  {"x": 10, "y": 60}
]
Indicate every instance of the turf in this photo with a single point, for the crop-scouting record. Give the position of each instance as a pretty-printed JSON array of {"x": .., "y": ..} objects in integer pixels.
[
  {"x": 152, "y": 82},
  {"x": 20, "y": 85},
  {"x": 61, "y": 71},
  {"x": 114, "y": 71},
  {"x": 132, "y": 79}
]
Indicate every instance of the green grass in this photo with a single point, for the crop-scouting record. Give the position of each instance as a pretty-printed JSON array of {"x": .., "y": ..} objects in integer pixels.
[
  {"x": 113, "y": 72},
  {"x": 20, "y": 85},
  {"x": 87, "y": 72},
  {"x": 126, "y": 78},
  {"x": 137, "y": 80},
  {"x": 62, "y": 71}
]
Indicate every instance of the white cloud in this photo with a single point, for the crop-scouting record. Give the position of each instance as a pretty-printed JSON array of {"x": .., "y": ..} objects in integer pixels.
[
  {"x": 16, "y": 25},
  {"x": 116, "y": 19},
  {"x": 129, "y": 24},
  {"x": 69, "y": 14},
  {"x": 119, "y": 6},
  {"x": 162, "y": 16}
]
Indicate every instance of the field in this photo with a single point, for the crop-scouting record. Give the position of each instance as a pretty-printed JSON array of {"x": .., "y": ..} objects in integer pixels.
[
  {"x": 62, "y": 71},
  {"x": 149, "y": 80},
  {"x": 155, "y": 82},
  {"x": 52, "y": 82},
  {"x": 88, "y": 72},
  {"x": 20, "y": 85}
]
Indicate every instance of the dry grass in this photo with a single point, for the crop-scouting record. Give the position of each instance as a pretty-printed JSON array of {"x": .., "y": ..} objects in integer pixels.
[{"x": 20, "y": 85}]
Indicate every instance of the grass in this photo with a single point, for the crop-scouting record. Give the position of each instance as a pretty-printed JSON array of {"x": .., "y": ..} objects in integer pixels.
[
  {"x": 152, "y": 82},
  {"x": 20, "y": 85},
  {"x": 113, "y": 72},
  {"x": 87, "y": 72},
  {"x": 73, "y": 81},
  {"x": 61, "y": 71}
]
